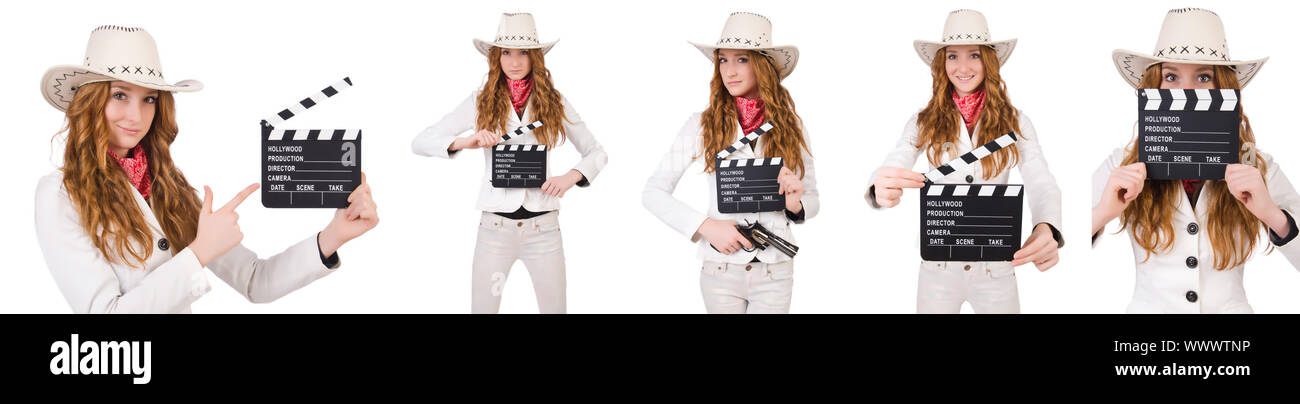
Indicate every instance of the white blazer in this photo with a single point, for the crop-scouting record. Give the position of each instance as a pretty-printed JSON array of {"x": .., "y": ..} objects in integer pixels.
[
  {"x": 170, "y": 279},
  {"x": 434, "y": 140},
  {"x": 1166, "y": 281},
  {"x": 658, "y": 197},
  {"x": 1042, "y": 194}
]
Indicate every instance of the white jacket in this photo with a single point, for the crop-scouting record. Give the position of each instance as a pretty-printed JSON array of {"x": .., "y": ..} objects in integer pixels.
[
  {"x": 658, "y": 197},
  {"x": 1042, "y": 194},
  {"x": 170, "y": 279},
  {"x": 434, "y": 140},
  {"x": 1166, "y": 279}
]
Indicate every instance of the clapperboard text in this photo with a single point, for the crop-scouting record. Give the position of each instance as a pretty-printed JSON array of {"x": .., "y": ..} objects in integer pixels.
[
  {"x": 519, "y": 165},
  {"x": 309, "y": 168},
  {"x": 963, "y": 222},
  {"x": 76, "y": 357},
  {"x": 748, "y": 185},
  {"x": 1188, "y": 134}
]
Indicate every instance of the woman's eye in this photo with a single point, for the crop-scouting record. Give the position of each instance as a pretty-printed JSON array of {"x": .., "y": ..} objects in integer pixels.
[
  {"x": 974, "y": 56},
  {"x": 952, "y": 57},
  {"x": 505, "y": 52},
  {"x": 1171, "y": 78},
  {"x": 119, "y": 96},
  {"x": 523, "y": 52},
  {"x": 722, "y": 60},
  {"x": 150, "y": 99},
  {"x": 743, "y": 60},
  {"x": 1204, "y": 78}
]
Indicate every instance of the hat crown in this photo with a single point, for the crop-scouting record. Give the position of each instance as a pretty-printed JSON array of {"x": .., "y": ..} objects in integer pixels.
[
  {"x": 517, "y": 29},
  {"x": 966, "y": 26},
  {"x": 126, "y": 51},
  {"x": 746, "y": 30},
  {"x": 1192, "y": 34}
]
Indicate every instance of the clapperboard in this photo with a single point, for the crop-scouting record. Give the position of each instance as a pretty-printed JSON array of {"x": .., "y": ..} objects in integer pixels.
[
  {"x": 519, "y": 165},
  {"x": 748, "y": 185},
  {"x": 1188, "y": 134},
  {"x": 970, "y": 222},
  {"x": 309, "y": 168}
]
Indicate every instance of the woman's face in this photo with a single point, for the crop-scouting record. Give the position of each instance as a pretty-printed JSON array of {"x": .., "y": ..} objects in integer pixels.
[
  {"x": 964, "y": 67},
  {"x": 1186, "y": 76},
  {"x": 515, "y": 63},
  {"x": 129, "y": 112},
  {"x": 737, "y": 73}
]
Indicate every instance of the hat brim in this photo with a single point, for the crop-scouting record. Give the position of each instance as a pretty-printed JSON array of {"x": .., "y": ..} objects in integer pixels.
[
  {"x": 927, "y": 49},
  {"x": 786, "y": 56},
  {"x": 484, "y": 46},
  {"x": 60, "y": 83},
  {"x": 1133, "y": 65}
]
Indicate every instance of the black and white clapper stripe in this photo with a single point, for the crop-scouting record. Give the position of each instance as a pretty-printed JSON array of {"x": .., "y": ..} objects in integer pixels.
[
  {"x": 1189, "y": 100},
  {"x": 965, "y": 160},
  {"x": 774, "y": 161},
  {"x": 521, "y": 147},
  {"x": 973, "y": 190},
  {"x": 749, "y": 138},
  {"x": 306, "y": 103},
  {"x": 521, "y": 130}
]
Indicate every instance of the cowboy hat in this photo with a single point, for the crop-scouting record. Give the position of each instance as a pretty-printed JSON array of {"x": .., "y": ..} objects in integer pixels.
[
  {"x": 753, "y": 32},
  {"x": 1188, "y": 35},
  {"x": 965, "y": 27},
  {"x": 516, "y": 31},
  {"x": 113, "y": 53}
]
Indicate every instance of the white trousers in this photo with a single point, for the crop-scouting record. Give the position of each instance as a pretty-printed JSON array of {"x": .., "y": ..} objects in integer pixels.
[
  {"x": 754, "y": 288},
  {"x": 503, "y": 241},
  {"x": 990, "y": 287}
]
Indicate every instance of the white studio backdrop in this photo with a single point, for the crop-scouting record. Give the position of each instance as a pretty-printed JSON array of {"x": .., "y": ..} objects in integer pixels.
[{"x": 629, "y": 71}]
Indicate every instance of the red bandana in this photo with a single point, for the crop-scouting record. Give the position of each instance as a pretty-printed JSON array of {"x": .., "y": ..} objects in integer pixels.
[
  {"x": 1189, "y": 186},
  {"x": 751, "y": 113},
  {"x": 519, "y": 90},
  {"x": 970, "y": 107},
  {"x": 136, "y": 168}
]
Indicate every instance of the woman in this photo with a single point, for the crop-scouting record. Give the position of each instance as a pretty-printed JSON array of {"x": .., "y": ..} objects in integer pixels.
[
  {"x": 121, "y": 229},
  {"x": 1191, "y": 239},
  {"x": 746, "y": 92},
  {"x": 969, "y": 107},
  {"x": 517, "y": 223}
]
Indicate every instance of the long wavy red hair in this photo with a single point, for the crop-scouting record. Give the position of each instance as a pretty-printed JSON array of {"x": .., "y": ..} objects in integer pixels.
[
  {"x": 939, "y": 122},
  {"x": 102, "y": 193},
  {"x": 1232, "y": 229},
  {"x": 720, "y": 122},
  {"x": 494, "y": 106}
]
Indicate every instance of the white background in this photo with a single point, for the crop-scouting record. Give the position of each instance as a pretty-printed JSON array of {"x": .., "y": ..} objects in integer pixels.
[{"x": 628, "y": 69}]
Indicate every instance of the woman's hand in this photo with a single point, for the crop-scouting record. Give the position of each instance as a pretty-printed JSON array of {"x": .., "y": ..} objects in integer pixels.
[
  {"x": 1247, "y": 185},
  {"x": 792, "y": 187},
  {"x": 219, "y": 230},
  {"x": 1040, "y": 248},
  {"x": 359, "y": 217},
  {"x": 724, "y": 237},
  {"x": 480, "y": 139},
  {"x": 1123, "y": 187},
  {"x": 557, "y": 186},
  {"x": 890, "y": 182}
]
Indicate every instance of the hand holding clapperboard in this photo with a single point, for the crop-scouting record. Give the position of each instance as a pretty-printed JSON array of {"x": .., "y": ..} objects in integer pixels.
[
  {"x": 751, "y": 186},
  {"x": 309, "y": 168},
  {"x": 970, "y": 222}
]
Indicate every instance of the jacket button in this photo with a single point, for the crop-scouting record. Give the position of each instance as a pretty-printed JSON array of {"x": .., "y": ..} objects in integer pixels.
[
  {"x": 163, "y": 245},
  {"x": 1192, "y": 228},
  {"x": 1191, "y": 262},
  {"x": 970, "y": 179},
  {"x": 1191, "y": 296},
  {"x": 519, "y": 224},
  {"x": 748, "y": 267},
  {"x": 967, "y": 267}
]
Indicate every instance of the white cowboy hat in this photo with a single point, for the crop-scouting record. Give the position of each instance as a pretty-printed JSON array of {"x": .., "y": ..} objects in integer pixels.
[
  {"x": 113, "y": 53},
  {"x": 1188, "y": 35},
  {"x": 965, "y": 27},
  {"x": 516, "y": 31},
  {"x": 753, "y": 32}
]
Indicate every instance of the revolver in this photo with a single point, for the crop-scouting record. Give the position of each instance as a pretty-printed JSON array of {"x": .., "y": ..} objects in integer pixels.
[{"x": 762, "y": 238}]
